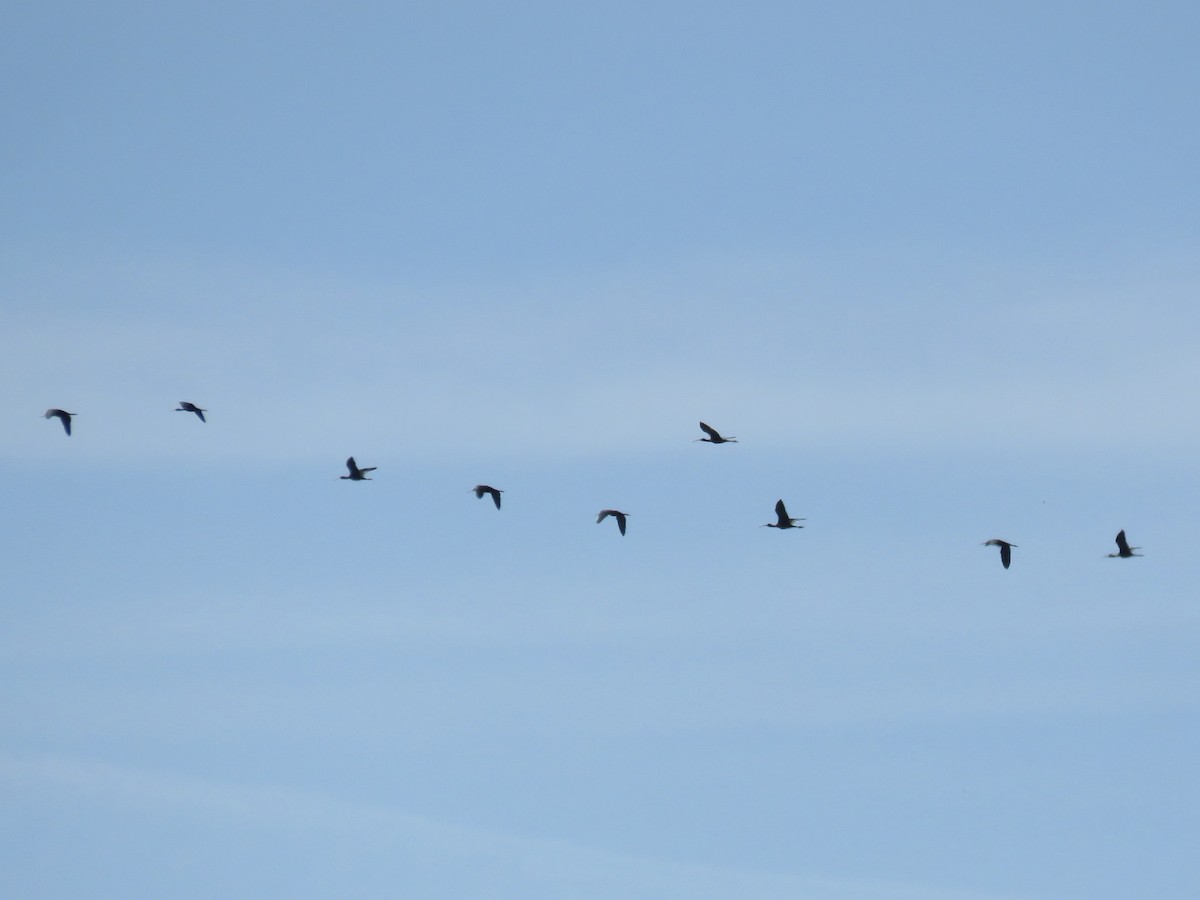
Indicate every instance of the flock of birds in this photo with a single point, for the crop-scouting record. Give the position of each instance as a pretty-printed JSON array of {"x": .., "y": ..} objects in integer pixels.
[
  {"x": 1124, "y": 551},
  {"x": 711, "y": 436}
]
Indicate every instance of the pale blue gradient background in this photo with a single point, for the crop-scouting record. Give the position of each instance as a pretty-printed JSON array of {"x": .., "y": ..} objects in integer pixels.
[{"x": 935, "y": 264}]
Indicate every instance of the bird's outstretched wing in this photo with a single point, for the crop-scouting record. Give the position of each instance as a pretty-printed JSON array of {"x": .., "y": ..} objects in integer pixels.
[
  {"x": 63, "y": 416},
  {"x": 1122, "y": 544},
  {"x": 714, "y": 436},
  {"x": 1005, "y": 550},
  {"x": 187, "y": 406},
  {"x": 481, "y": 489},
  {"x": 616, "y": 514}
]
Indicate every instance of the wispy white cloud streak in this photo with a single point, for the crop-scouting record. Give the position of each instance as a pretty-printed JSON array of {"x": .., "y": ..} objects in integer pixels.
[
  {"x": 546, "y": 867},
  {"x": 791, "y": 353}
]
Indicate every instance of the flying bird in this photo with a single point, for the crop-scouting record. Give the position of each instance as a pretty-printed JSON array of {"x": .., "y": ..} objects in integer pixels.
[
  {"x": 1124, "y": 551},
  {"x": 1005, "y": 550},
  {"x": 785, "y": 521},
  {"x": 184, "y": 406},
  {"x": 63, "y": 416},
  {"x": 481, "y": 489},
  {"x": 713, "y": 436},
  {"x": 357, "y": 474},
  {"x": 619, "y": 516}
]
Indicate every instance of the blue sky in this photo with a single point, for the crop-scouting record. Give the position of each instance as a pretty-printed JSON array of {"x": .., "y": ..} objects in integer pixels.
[{"x": 934, "y": 264}]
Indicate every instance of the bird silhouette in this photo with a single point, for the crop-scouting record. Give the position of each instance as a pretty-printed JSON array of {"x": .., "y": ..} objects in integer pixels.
[
  {"x": 713, "y": 436},
  {"x": 1005, "y": 550},
  {"x": 481, "y": 489},
  {"x": 1124, "y": 551},
  {"x": 785, "y": 521},
  {"x": 63, "y": 416},
  {"x": 357, "y": 474},
  {"x": 619, "y": 516},
  {"x": 184, "y": 406}
]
